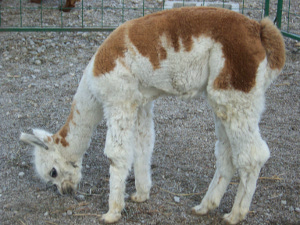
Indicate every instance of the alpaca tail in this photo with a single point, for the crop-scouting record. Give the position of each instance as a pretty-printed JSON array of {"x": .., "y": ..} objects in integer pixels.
[{"x": 273, "y": 43}]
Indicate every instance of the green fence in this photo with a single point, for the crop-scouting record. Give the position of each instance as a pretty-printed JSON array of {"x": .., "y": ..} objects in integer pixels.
[
  {"x": 288, "y": 18},
  {"x": 101, "y": 15}
]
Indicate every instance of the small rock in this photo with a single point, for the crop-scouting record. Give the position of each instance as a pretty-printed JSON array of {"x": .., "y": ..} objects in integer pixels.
[
  {"x": 40, "y": 50},
  {"x": 80, "y": 197},
  {"x": 24, "y": 50},
  {"x": 23, "y": 163},
  {"x": 176, "y": 199},
  {"x": 46, "y": 213},
  {"x": 38, "y": 62},
  {"x": 283, "y": 202},
  {"x": 87, "y": 166},
  {"x": 33, "y": 52},
  {"x": 21, "y": 174},
  {"x": 297, "y": 210},
  {"x": 69, "y": 212},
  {"x": 19, "y": 116},
  {"x": 291, "y": 209},
  {"x": 64, "y": 214}
]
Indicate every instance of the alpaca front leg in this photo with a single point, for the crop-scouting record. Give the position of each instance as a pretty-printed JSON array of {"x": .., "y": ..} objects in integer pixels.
[
  {"x": 116, "y": 196},
  {"x": 142, "y": 153},
  {"x": 120, "y": 142}
]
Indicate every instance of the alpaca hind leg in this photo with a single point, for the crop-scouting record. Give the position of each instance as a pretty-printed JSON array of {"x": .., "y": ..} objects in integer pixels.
[
  {"x": 223, "y": 174},
  {"x": 249, "y": 152},
  {"x": 142, "y": 154},
  {"x": 120, "y": 142}
]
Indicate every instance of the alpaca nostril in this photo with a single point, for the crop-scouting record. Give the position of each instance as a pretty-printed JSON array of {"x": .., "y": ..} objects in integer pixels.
[{"x": 67, "y": 188}]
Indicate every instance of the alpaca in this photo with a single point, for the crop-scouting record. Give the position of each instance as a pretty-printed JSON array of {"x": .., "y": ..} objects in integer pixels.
[
  {"x": 184, "y": 52},
  {"x": 66, "y": 8}
]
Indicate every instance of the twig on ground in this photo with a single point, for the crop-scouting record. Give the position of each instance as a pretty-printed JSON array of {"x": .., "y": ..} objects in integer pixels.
[
  {"x": 283, "y": 84},
  {"x": 82, "y": 193},
  {"x": 88, "y": 214},
  {"x": 275, "y": 177},
  {"x": 22, "y": 222},
  {"x": 43, "y": 38},
  {"x": 181, "y": 194},
  {"x": 51, "y": 223},
  {"x": 284, "y": 74}
]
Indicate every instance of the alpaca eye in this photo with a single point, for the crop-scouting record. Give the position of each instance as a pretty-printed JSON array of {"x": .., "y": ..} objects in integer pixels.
[{"x": 53, "y": 173}]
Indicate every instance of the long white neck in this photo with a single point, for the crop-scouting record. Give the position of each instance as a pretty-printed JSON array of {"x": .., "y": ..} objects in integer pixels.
[{"x": 86, "y": 113}]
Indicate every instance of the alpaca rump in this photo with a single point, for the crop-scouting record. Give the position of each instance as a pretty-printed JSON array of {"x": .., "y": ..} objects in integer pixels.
[
  {"x": 66, "y": 8},
  {"x": 184, "y": 52}
]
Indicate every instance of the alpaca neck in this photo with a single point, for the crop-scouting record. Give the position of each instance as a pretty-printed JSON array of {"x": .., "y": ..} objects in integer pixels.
[{"x": 76, "y": 133}]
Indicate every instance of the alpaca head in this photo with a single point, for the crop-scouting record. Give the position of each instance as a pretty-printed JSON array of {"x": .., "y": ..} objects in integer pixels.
[{"x": 52, "y": 162}]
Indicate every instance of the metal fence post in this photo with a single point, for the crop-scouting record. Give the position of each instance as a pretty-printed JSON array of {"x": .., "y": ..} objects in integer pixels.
[
  {"x": 41, "y": 13},
  {"x": 21, "y": 25},
  {"x": 82, "y": 14},
  {"x": 279, "y": 13},
  {"x": 267, "y": 6}
]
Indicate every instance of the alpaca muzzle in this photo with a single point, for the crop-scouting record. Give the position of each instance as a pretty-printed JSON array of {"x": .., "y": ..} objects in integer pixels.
[{"x": 67, "y": 188}]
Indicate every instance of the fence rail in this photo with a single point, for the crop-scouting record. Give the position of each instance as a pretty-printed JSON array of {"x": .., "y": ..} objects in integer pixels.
[
  {"x": 284, "y": 14},
  {"x": 95, "y": 15}
]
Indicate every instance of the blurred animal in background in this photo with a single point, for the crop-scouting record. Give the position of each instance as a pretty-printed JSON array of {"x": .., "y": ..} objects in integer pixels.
[{"x": 66, "y": 8}]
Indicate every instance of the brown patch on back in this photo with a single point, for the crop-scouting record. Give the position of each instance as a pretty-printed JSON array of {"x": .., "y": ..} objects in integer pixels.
[
  {"x": 239, "y": 36},
  {"x": 111, "y": 49}
]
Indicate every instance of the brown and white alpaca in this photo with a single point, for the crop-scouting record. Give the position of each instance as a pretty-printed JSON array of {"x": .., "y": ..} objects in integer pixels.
[
  {"x": 66, "y": 8},
  {"x": 184, "y": 52}
]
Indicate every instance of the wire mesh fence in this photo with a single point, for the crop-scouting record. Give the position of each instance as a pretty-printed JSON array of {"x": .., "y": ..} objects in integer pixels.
[
  {"x": 288, "y": 18},
  {"x": 104, "y": 15}
]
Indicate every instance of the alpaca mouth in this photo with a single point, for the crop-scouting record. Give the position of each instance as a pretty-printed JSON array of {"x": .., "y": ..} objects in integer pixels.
[{"x": 67, "y": 188}]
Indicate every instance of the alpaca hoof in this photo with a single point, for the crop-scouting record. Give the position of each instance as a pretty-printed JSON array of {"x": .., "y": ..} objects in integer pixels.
[
  {"x": 199, "y": 210},
  {"x": 110, "y": 218},
  {"x": 139, "y": 197},
  {"x": 229, "y": 218}
]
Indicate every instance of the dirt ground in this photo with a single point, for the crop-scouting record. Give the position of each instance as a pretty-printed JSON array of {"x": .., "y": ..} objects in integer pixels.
[{"x": 39, "y": 74}]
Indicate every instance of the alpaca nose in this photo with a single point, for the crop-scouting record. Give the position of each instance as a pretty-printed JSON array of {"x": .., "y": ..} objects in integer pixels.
[{"x": 67, "y": 188}]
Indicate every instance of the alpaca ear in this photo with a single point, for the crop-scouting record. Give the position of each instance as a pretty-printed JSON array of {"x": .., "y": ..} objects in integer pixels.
[
  {"x": 42, "y": 135},
  {"x": 40, "y": 138},
  {"x": 33, "y": 140}
]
